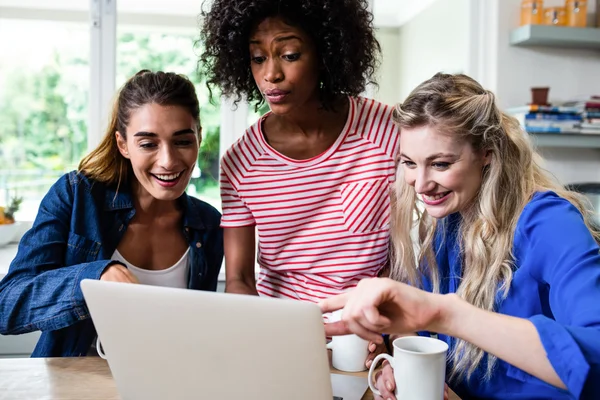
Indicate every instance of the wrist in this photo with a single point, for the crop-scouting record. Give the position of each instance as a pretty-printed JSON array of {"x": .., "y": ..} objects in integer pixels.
[
  {"x": 113, "y": 263},
  {"x": 448, "y": 314}
]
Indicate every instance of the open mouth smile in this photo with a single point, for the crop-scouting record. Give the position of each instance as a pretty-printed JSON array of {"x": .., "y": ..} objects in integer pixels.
[
  {"x": 168, "y": 180},
  {"x": 435, "y": 199}
]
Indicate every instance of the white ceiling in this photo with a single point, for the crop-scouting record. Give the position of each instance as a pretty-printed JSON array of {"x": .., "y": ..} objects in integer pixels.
[{"x": 386, "y": 12}]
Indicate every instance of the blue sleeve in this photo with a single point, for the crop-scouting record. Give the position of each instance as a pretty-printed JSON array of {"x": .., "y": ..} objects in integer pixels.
[
  {"x": 561, "y": 253},
  {"x": 40, "y": 292}
]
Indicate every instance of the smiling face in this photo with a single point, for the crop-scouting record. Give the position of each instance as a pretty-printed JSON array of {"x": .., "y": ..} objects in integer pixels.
[
  {"x": 445, "y": 172},
  {"x": 284, "y": 65},
  {"x": 162, "y": 145}
]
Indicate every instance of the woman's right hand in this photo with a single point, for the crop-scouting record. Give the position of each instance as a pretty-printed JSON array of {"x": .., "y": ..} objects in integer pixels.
[
  {"x": 118, "y": 273},
  {"x": 385, "y": 383}
]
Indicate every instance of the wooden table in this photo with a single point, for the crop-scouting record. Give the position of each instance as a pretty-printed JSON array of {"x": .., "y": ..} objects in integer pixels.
[{"x": 84, "y": 378}]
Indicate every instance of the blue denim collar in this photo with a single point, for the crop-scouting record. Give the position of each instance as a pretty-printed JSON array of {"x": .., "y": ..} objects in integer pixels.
[
  {"x": 122, "y": 200},
  {"x": 117, "y": 200}
]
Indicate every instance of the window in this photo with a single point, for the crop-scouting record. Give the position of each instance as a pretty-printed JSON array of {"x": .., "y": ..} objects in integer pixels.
[
  {"x": 51, "y": 99},
  {"x": 44, "y": 88}
]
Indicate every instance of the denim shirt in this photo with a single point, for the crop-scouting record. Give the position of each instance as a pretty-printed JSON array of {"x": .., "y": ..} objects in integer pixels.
[{"x": 77, "y": 229}]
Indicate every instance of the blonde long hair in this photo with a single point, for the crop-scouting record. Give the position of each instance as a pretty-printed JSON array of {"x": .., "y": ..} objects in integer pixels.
[
  {"x": 458, "y": 106},
  {"x": 105, "y": 163}
]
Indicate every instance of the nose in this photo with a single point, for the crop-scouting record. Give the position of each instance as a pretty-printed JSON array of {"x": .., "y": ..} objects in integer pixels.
[
  {"x": 273, "y": 71},
  {"x": 422, "y": 182},
  {"x": 167, "y": 157}
]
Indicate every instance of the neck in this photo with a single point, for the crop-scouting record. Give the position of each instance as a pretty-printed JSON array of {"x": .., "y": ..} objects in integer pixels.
[
  {"x": 148, "y": 206},
  {"x": 311, "y": 119}
]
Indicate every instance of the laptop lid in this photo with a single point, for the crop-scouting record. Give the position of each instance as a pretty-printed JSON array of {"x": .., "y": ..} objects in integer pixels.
[{"x": 167, "y": 343}]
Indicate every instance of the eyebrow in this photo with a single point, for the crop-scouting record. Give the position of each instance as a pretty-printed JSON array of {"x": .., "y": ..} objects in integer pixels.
[
  {"x": 434, "y": 156},
  {"x": 152, "y": 134},
  {"x": 279, "y": 39}
]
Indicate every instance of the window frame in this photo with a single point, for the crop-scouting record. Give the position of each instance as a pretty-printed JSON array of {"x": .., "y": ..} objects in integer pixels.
[{"x": 102, "y": 19}]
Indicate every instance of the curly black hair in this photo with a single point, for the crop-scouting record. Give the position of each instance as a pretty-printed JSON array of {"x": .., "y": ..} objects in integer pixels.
[{"x": 342, "y": 31}]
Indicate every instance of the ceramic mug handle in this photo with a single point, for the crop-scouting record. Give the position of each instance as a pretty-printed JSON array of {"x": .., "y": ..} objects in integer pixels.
[
  {"x": 373, "y": 365},
  {"x": 99, "y": 348}
]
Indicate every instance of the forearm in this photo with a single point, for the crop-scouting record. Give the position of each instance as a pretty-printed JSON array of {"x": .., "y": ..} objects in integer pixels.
[
  {"x": 48, "y": 301},
  {"x": 239, "y": 260},
  {"x": 514, "y": 340},
  {"x": 241, "y": 286}
]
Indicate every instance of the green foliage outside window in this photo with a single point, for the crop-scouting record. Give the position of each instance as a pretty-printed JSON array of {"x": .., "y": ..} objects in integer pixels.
[{"x": 44, "y": 112}]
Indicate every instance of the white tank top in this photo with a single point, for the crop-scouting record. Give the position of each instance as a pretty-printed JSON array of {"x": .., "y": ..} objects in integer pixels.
[{"x": 175, "y": 276}]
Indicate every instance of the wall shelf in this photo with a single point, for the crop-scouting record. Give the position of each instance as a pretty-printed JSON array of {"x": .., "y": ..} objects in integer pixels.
[
  {"x": 556, "y": 36},
  {"x": 572, "y": 140}
]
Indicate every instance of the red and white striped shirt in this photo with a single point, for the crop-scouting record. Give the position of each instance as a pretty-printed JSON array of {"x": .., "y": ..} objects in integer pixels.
[{"x": 322, "y": 223}]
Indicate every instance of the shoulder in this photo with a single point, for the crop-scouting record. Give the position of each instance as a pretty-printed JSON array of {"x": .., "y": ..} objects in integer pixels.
[
  {"x": 371, "y": 109},
  {"x": 552, "y": 239},
  {"x": 549, "y": 210},
  {"x": 72, "y": 183},
  {"x": 204, "y": 212},
  {"x": 373, "y": 121},
  {"x": 248, "y": 147},
  {"x": 551, "y": 224}
]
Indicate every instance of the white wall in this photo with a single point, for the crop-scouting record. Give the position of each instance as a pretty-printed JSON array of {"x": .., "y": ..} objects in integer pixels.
[
  {"x": 436, "y": 40},
  {"x": 572, "y": 165},
  {"x": 568, "y": 72},
  {"x": 389, "y": 72}
]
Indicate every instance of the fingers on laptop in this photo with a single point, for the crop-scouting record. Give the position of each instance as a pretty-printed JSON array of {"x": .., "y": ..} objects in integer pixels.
[{"x": 118, "y": 273}]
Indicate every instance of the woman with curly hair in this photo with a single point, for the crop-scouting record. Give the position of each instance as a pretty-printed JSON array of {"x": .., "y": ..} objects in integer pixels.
[
  {"x": 510, "y": 256},
  {"x": 311, "y": 177}
]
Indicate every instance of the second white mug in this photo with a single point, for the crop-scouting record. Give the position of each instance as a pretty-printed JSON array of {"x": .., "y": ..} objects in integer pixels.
[
  {"x": 349, "y": 353},
  {"x": 419, "y": 364}
]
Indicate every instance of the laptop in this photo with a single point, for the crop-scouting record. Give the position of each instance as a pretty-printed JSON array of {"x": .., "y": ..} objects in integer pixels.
[{"x": 167, "y": 343}]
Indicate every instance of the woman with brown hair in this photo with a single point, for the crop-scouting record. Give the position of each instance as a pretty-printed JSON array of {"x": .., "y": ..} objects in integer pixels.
[{"x": 123, "y": 216}]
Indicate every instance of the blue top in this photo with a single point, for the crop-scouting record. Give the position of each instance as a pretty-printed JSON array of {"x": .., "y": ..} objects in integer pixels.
[
  {"x": 556, "y": 285},
  {"x": 77, "y": 229}
]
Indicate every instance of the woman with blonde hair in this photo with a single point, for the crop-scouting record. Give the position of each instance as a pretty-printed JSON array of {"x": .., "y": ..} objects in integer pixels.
[
  {"x": 123, "y": 216},
  {"x": 506, "y": 268}
]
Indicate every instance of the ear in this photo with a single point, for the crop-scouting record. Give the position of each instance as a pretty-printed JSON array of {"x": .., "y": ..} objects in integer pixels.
[
  {"x": 487, "y": 157},
  {"x": 122, "y": 144}
]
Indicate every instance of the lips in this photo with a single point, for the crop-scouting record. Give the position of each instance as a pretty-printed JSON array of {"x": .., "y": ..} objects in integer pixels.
[
  {"x": 168, "y": 180},
  {"x": 435, "y": 199},
  {"x": 168, "y": 177},
  {"x": 276, "y": 96},
  {"x": 275, "y": 92}
]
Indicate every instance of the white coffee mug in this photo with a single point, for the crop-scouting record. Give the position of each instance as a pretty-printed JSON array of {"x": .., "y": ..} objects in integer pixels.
[
  {"x": 419, "y": 364},
  {"x": 349, "y": 353}
]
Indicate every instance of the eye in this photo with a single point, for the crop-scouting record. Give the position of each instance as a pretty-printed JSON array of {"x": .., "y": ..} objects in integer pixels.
[
  {"x": 258, "y": 59},
  {"x": 291, "y": 57},
  {"x": 183, "y": 143},
  {"x": 147, "y": 145},
  {"x": 408, "y": 164},
  {"x": 440, "y": 165}
]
